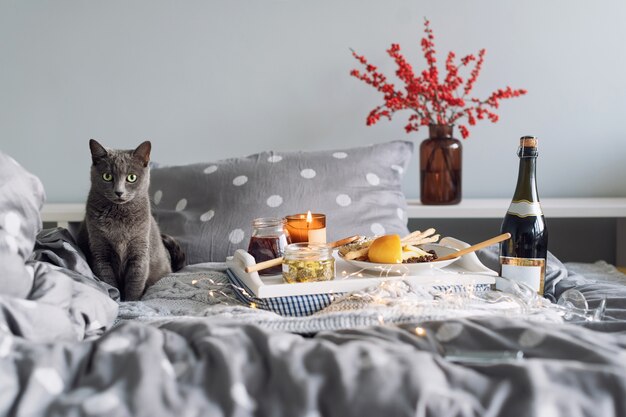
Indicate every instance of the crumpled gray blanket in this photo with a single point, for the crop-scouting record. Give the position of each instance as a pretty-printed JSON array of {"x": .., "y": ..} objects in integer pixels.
[
  {"x": 222, "y": 368},
  {"x": 38, "y": 300}
]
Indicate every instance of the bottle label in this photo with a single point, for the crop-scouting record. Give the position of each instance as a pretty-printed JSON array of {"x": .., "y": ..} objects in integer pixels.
[
  {"x": 525, "y": 208},
  {"x": 530, "y": 271}
]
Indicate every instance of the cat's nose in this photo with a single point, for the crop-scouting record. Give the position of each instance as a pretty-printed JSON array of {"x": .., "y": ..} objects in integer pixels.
[{"x": 119, "y": 193}]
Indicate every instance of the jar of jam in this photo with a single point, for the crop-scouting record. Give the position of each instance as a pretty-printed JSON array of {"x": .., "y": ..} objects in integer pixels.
[
  {"x": 268, "y": 241},
  {"x": 308, "y": 262}
]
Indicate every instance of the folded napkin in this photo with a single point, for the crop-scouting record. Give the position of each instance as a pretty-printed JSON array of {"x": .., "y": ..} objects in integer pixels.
[{"x": 291, "y": 306}]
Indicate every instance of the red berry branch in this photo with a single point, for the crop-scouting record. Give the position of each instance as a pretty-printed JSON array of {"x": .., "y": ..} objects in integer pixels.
[{"x": 432, "y": 101}]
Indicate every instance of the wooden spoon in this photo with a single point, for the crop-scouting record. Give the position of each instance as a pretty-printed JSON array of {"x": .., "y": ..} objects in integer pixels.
[
  {"x": 473, "y": 248},
  {"x": 277, "y": 261}
]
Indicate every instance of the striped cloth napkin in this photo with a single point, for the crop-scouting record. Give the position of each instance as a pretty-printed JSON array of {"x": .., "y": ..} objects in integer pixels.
[{"x": 291, "y": 306}]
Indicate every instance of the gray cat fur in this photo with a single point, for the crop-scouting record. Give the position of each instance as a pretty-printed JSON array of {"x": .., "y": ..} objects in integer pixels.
[{"x": 119, "y": 236}]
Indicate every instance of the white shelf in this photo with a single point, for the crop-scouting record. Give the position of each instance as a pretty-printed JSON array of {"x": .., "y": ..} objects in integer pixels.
[
  {"x": 495, "y": 208},
  {"x": 63, "y": 212},
  {"x": 490, "y": 208},
  {"x": 469, "y": 208}
]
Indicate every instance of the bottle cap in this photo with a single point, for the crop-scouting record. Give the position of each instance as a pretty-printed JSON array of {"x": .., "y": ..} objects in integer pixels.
[{"x": 528, "y": 142}]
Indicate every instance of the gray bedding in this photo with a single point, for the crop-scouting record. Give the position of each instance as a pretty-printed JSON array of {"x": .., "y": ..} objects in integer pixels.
[{"x": 68, "y": 347}]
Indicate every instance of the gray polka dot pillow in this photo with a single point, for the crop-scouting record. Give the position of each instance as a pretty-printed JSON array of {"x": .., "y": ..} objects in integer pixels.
[{"x": 209, "y": 207}]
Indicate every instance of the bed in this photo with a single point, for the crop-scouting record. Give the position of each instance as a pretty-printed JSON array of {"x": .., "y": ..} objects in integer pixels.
[{"x": 193, "y": 346}]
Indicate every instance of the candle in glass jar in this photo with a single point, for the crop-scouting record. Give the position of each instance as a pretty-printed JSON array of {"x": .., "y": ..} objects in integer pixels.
[{"x": 310, "y": 227}]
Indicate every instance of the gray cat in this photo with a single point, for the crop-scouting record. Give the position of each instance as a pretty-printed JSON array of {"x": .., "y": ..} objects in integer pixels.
[{"x": 119, "y": 236}]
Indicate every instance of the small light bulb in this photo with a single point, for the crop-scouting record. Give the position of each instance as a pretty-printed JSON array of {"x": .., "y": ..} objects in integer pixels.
[{"x": 420, "y": 331}]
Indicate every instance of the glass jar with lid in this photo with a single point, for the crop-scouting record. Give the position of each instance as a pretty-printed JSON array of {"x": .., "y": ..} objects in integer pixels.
[
  {"x": 268, "y": 241},
  {"x": 308, "y": 262}
]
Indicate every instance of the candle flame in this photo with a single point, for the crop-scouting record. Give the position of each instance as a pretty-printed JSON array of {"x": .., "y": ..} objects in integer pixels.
[{"x": 309, "y": 218}]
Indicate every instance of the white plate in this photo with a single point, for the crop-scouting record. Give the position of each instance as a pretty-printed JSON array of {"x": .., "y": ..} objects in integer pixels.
[{"x": 409, "y": 269}]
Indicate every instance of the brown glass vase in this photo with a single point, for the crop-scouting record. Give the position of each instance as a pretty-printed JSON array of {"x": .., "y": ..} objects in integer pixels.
[{"x": 440, "y": 167}]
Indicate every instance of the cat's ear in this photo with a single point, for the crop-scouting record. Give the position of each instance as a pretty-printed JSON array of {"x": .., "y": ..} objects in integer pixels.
[
  {"x": 143, "y": 152},
  {"x": 97, "y": 151}
]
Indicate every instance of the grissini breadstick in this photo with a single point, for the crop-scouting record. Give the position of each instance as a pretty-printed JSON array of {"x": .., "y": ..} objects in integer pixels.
[
  {"x": 418, "y": 235},
  {"x": 411, "y": 235},
  {"x": 431, "y": 239},
  {"x": 357, "y": 253}
]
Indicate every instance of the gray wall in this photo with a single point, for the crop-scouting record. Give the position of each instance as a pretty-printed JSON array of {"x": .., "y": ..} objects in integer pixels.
[{"x": 213, "y": 79}]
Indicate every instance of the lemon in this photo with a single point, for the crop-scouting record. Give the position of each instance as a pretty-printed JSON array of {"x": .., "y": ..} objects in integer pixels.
[{"x": 386, "y": 250}]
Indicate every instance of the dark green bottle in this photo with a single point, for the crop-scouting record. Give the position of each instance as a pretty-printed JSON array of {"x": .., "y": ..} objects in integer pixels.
[{"x": 523, "y": 257}]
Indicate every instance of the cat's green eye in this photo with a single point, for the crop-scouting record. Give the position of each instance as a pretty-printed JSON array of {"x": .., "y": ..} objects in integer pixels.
[
  {"x": 107, "y": 177},
  {"x": 131, "y": 178}
]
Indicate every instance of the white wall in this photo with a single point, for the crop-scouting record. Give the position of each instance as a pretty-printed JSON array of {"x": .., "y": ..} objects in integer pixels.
[{"x": 213, "y": 79}]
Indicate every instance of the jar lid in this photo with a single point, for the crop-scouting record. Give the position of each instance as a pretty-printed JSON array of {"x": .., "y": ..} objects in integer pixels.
[
  {"x": 304, "y": 250},
  {"x": 268, "y": 222}
]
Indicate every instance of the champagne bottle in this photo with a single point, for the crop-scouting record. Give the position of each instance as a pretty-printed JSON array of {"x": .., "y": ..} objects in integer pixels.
[{"x": 523, "y": 257}]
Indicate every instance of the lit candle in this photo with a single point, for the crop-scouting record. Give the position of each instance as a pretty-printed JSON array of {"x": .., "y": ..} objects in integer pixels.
[
  {"x": 316, "y": 232},
  {"x": 310, "y": 227}
]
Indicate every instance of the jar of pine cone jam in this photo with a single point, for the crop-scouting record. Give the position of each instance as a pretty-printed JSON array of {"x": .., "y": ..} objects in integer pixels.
[{"x": 268, "y": 241}]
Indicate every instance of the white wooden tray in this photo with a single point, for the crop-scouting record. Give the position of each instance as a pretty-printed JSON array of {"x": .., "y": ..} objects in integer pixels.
[{"x": 466, "y": 271}]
